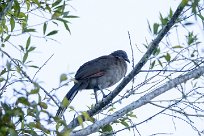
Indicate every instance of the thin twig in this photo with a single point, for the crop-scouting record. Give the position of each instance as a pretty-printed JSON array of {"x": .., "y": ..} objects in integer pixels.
[
  {"x": 25, "y": 74},
  {"x": 42, "y": 66},
  {"x": 153, "y": 45},
  {"x": 133, "y": 64},
  {"x": 7, "y": 8},
  {"x": 184, "y": 113}
]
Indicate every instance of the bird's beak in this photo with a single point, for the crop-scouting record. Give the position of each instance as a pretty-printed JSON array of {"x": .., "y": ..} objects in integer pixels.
[{"x": 126, "y": 59}]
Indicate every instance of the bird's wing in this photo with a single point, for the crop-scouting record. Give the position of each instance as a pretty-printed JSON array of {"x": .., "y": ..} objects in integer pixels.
[{"x": 94, "y": 68}]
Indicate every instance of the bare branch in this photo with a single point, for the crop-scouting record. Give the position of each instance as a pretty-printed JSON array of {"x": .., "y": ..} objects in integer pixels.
[
  {"x": 26, "y": 75},
  {"x": 42, "y": 66},
  {"x": 153, "y": 45},
  {"x": 140, "y": 102},
  {"x": 6, "y": 9}
]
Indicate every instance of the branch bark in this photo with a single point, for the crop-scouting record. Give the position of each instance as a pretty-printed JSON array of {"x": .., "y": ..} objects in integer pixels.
[
  {"x": 140, "y": 102},
  {"x": 153, "y": 45},
  {"x": 26, "y": 75},
  {"x": 6, "y": 9}
]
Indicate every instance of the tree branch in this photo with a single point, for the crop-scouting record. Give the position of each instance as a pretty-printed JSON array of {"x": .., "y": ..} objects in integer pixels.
[
  {"x": 140, "y": 102},
  {"x": 6, "y": 9},
  {"x": 26, "y": 75},
  {"x": 153, "y": 45}
]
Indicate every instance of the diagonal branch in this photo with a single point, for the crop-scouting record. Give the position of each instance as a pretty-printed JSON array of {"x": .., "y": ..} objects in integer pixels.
[
  {"x": 153, "y": 45},
  {"x": 6, "y": 9},
  {"x": 140, "y": 102},
  {"x": 26, "y": 75}
]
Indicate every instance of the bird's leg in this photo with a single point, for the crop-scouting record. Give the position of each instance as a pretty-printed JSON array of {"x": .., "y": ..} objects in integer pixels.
[
  {"x": 104, "y": 95},
  {"x": 95, "y": 93}
]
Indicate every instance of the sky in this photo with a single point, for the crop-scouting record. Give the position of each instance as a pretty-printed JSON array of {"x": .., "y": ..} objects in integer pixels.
[{"x": 102, "y": 27}]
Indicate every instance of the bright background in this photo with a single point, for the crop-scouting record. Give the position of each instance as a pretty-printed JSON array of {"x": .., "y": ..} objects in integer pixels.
[{"x": 102, "y": 27}]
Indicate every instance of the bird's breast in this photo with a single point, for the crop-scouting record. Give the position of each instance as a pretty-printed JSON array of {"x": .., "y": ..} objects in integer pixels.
[{"x": 112, "y": 75}]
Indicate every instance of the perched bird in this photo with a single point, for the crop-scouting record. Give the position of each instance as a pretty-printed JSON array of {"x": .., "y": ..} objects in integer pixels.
[{"x": 97, "y": 74}]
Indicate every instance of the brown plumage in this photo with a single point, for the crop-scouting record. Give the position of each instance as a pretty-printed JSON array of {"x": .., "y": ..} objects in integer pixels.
[{"x": 97, "y": 74}]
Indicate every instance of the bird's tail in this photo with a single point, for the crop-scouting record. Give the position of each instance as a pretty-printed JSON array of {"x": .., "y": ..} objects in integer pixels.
[{"x": 67, "y": 99}]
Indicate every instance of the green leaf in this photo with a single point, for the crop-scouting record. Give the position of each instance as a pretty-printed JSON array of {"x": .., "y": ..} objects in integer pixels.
[
  {"x": 65, "y": 102},
  {"x": 163, "y": 20},
  {"x": 149, "y": 26},
  {"x": 170, "y": 13},
  {"x": 56, "y": 15},
  {"x": 57, "y": 2},
  {"x": 63, "y": 77},
  {"x": 37, "y": 2},
  {"x": 155, "y": 28},
  {"x": 65, "y": 14},
  {"x": 7, "y": 37},
  {"x": 13, "y": 132},
  {"x": 177, "y": 46},
  {"x": 3, "y": 71},
  {"x": 5, "y": 27},
  {"x": 44, "y": 28},
  {"x": 167, "y": 57},
  {"x": 28, "y": 43},
  {"x": 70, "y": 16},
  {"x": 43, "y": 105},
  {"x": 47, "y": 7},
  {"x": 17, "y": 111},
  {"x": 16, "y": 7},
  {"x": 55, "y": 23},
  {"x": 152, "y": 65},
  {"x": 28, "y": 4},
  {"x": 66, "y": 132},
  {"x": 34, "y": 91},
  {"x": 65, "y": 22},
  {"x": 18, "y": 69},
  {"x": 87, "y": 117},
  {"x": 1, "y": 29},
  {"x": 107, "y": 128},
  {"x": 23, "y": 101},
  {"x": 52, "y": 33},
  {"x": 62, "y": 20},
  {"x": 124, "y": 123},
  {"x": 67, "y": 27},
  {"x": 131, "y": 114},
  {"x": 201, "y": 16},
  {"x": 191, "y": 38},
  {"x": 21, "y": 15},
  {"x": 33, "y": 66},
  {"x": 8, "y": 65},
  {"x": 111, "y": 109},
  {"x": 12, "y": 23},
  {"x": 31, "y": 49},
  {"x": 156, "y": 51},
  {"x": 160, "y": 63},
  {"x": 25, "y": 57},
  {"x": 31, "y": 124},
  {"x": 22, "y": 48},
  {"x": 80, "y": 120},
  {"x": 5, "y": 106},
  {"x": 29, "y": 30},
  {"x": 1, "y": 79}
]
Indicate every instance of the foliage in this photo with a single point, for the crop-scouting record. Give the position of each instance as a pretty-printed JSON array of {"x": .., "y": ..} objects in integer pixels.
[
  {"x": 23, "y": 113},
  {"x": 26, "y": 112}
]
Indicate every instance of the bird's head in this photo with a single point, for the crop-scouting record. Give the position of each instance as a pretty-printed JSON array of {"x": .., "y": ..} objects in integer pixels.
[{"x": 121, "y": 54}]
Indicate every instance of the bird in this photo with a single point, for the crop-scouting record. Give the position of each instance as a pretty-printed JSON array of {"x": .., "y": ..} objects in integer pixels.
[{"x": 97, "y": 74}]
